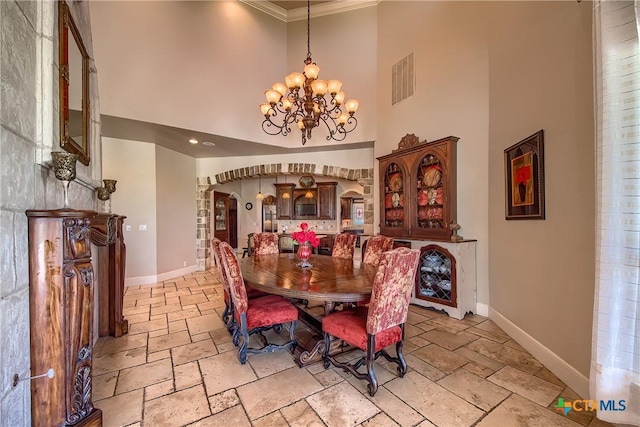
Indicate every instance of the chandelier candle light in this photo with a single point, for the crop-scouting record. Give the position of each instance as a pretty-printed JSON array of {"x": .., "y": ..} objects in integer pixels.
[
  {"x": 310, "y": 108},
  {"x": 306, "y": 238}
]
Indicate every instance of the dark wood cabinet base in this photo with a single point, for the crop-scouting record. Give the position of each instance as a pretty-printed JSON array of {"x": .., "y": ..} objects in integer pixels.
[
  {"x": 61, "y": 280},
  {"x": 106, "y": 234}
]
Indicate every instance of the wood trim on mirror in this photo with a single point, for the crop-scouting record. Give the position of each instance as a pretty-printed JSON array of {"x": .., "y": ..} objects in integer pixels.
[{"x": 74, "y": 124}]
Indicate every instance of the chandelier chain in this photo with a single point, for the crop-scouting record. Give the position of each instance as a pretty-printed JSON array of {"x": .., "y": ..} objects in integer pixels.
[{"x": 308, "y": 29}]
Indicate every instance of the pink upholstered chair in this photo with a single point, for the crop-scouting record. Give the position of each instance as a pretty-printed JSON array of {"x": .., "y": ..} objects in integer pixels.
[
  {"x": 376, "y": 245},
  {"x": 344, "y": 246},
  {"x": 266, "y": 243},
  {"x": 382, "y": 323},
  {"x": 255, "y": 315},
  {"x": 227, "y": 314}
]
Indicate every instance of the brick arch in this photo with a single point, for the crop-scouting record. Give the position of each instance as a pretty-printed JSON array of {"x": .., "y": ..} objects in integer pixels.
[{"x": 204, "y": 234}]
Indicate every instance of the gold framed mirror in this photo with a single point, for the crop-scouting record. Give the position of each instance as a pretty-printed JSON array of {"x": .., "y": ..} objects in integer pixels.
[{"x": 74, "y": 87}]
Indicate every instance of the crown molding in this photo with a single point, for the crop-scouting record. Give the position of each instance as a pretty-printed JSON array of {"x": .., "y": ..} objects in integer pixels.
[
  {"x": 268, "y": 8},
  {"x": 323, "y": 9}
]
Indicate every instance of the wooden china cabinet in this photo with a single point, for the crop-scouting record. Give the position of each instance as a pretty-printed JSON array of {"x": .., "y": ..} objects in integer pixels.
[
  {"x": 418, "y": 189},
  {"x": 61, "y": 305},
  {"x": 418, "y": 203}
]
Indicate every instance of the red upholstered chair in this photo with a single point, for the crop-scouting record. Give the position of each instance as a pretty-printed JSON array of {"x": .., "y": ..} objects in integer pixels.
[
  {"x": 265, "y": 243},
  {"x": 376, "y": 245},
  {"x": 344, "y": 246},
  {"x": 382, "y": 323},
  {"x": 227, "y": 314},
  {"x": 256, "y": 315}
]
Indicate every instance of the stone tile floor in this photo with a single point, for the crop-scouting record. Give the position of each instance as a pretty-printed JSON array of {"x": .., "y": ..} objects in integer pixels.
[{"x": 177, "y": 366}]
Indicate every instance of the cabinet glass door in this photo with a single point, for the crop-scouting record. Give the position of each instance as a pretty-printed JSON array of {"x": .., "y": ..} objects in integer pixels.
[
  {"x": 394, "y": 199},
  {"x": 430, "y": 190},
  {"x": 220, "y": 211},
  {"x": 436, "y": 279}
]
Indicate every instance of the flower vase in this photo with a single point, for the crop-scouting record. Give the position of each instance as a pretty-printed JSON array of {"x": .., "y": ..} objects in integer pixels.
[{"x": 304, "y": 253}]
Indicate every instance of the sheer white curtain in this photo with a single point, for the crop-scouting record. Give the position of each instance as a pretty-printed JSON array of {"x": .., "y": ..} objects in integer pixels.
[{"x": 615, "y": 362}]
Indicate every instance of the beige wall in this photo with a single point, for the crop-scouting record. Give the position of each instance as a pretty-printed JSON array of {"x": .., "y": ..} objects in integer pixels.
[
  {"x": 133, "y": 164},
  {"x": 175, "y": 210},
  {"x": 542, "y": 272},
  {"x": 493, "y": 73}
]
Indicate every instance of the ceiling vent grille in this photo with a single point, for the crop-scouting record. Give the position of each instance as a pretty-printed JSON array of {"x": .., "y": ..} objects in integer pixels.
[{"x": 402, "y": 79}]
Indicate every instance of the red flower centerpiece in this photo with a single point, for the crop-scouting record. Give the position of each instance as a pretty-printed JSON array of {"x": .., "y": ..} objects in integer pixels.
[{"x": 306, "y": 239}]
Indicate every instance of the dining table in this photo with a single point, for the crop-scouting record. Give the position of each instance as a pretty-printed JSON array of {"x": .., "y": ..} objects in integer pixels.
[{"x": 330, "y": 281}]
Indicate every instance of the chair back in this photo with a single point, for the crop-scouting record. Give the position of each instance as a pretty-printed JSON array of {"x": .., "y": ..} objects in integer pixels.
[
  {"x": 285, "y": 243},
  {"x": 266, "y": 243},
  {"x": 217, "y": 256},
  {"x": 344, "y": 246},
  {"x": 234, "y": 276},
  {"x": 392, "y": 286},
  {"x": 251, "y": 244},
  {"x": 376, "y": 245}
]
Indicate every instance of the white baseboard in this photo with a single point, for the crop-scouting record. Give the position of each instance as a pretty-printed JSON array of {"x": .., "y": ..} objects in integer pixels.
[
  {"x": 567, "y": 373},
  {"x": 482, "y": 309},
  {"x": 146, "y": 280}
]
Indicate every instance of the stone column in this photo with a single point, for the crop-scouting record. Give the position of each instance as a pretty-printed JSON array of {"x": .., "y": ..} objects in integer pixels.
[{"x": 203, "y": 232}]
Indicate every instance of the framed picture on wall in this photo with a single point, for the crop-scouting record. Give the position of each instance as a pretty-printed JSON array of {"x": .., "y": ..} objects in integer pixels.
[{"x": 524, "y": 176}]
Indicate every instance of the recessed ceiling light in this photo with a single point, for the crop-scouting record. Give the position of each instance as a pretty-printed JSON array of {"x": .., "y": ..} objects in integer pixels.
[
  {"x": 209, "y": 143},
  {"x": 193, "y": 141}
]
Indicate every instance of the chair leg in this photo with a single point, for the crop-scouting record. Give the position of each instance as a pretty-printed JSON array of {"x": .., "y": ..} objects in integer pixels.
[
  {"x": 372, "y": 387},
  {"x": 242, "y": 351},
  {"x": 325, "y": 354},
  {"x": 402, "y": 364},
  {"x": 292, "y": 337}
]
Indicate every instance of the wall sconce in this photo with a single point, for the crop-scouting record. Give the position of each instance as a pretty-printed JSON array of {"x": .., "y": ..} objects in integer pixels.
[{"x": 104, "y": 193}]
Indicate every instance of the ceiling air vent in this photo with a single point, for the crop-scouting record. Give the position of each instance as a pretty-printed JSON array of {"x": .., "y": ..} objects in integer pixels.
[{"x": 402, "y": 79}]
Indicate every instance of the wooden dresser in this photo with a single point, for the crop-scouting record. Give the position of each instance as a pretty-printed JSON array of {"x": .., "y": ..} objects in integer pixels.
[
  {"x": 61, "y": 317},
  {"x": 106, "y": 234}
]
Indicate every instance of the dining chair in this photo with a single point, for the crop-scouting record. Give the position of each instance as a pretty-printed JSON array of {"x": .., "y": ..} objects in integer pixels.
[
  {"x": 285, "y": 243},
  {"x": 228, "y": 314},
  {"x": 344, "y": 246},
  {"x": 379, "y": 325},
  {"x": 256, "y": 315},
  {"x": 248, "y": 251},
  {"x": 375, "y": 246},
  {"x": 265, "y": 243}
]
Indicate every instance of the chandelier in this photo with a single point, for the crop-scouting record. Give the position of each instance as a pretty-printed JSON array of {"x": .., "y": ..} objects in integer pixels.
[{"x": 310, "y": 108}]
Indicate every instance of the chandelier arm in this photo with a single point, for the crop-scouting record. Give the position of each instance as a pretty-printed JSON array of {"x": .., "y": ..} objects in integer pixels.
[
  {"x": 329, "y": 123},
  {"x": 334, "y": 109},
  {"x": 271, "y": 128},
  {"x": 351, "y": 124}
]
